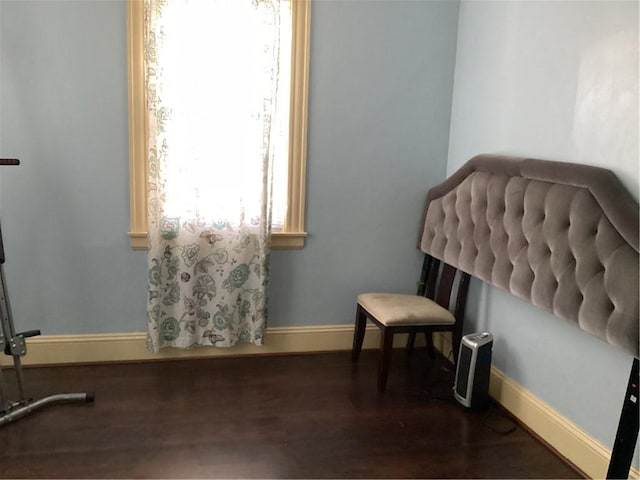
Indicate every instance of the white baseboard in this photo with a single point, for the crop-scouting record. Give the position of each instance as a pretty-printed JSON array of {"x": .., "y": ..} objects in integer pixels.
[
  {"x": 127, "y": 347},
  {"x": 569, "y": 440},
  {"x": 586, "y": 453}
]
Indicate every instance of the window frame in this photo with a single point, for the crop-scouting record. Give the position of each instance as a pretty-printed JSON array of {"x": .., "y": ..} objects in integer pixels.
[{"x": 293, "y": 234}]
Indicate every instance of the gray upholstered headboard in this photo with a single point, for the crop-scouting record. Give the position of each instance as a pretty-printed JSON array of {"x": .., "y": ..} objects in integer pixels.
[{"x": 562, "y": 236}]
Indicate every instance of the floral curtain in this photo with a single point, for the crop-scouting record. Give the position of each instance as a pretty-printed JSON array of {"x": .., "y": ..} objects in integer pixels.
[{"x": 212, "y": 86}]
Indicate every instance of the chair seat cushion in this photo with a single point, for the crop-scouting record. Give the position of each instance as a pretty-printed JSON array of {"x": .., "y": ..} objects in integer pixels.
[{"x": 394, "y": 309}]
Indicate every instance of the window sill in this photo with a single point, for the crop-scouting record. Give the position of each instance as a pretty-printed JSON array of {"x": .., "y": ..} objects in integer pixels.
[
  {"x": 287, "y": 240},
  {"x": 139, "y": 240},
  {"x": 279, "y": 240}
]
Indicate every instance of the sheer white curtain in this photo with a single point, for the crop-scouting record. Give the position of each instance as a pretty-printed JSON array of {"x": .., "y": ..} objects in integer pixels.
[{"x": 216, "y": 121}]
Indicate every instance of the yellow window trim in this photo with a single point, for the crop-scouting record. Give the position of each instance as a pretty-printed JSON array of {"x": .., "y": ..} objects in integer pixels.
[{"x": 293, "y": 233}]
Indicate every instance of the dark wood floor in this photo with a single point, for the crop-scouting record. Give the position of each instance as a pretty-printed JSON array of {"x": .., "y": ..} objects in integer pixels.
[{"x": 307, "y": 416}]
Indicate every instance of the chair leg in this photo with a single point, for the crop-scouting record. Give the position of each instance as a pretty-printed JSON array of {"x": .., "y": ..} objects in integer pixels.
[
  {"x": 386, "y": 346},
  {"x": 411, "y": 340},
  {"x": 428, "y": 336},
  {"x": 456, "y": 338},
  {"x": 358, "y": 334}
]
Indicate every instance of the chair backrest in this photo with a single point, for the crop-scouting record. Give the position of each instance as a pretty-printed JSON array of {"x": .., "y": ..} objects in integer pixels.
[{"x": 444, "y": 284}]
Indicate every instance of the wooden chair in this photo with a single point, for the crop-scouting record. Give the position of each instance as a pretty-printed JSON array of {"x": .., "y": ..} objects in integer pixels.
[{"x": 427, "y": 312}]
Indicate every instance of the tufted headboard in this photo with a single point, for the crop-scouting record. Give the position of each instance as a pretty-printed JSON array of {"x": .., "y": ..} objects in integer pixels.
[{"x": 562, "y": 236}]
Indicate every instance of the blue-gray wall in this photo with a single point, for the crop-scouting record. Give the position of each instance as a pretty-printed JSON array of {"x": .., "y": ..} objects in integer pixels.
[
  {"x": 380, "y": 96},
  {"x": 554, "y": 80},
  {"x": 380, "y": 99},
  {"x": 65, "y": 214},
  {"x": 531, "y": 78}
]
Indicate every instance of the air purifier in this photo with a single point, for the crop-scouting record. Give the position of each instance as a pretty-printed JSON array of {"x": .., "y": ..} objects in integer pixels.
[{"x": 471, "y": 387}]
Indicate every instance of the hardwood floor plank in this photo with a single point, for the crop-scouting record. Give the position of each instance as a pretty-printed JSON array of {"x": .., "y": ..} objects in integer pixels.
[{"x": 299, "y": 416}]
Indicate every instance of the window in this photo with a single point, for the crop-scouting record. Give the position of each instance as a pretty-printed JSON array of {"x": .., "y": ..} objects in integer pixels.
[{"x": 289, "y": 230}]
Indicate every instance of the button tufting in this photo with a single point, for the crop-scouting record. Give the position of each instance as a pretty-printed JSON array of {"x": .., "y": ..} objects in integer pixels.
[
  {"x": 612, "y": 307},
  {"x": 538, "y": 239}
]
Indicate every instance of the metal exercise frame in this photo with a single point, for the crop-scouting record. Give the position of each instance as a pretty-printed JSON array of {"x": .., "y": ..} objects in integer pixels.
[{"x": 14, "y": 345}]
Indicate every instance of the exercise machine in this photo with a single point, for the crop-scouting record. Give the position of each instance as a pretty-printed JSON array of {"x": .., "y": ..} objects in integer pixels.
[{"x": 14, "y": 344}]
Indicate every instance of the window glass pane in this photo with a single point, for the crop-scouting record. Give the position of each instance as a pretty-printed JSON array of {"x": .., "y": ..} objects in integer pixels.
[
  {"x": 281, "y": 151},
  {"x": 214, "y": 73}
]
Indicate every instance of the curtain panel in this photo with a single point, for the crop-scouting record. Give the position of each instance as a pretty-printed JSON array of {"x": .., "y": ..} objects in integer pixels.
[{"x": 212, "y": 79}]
